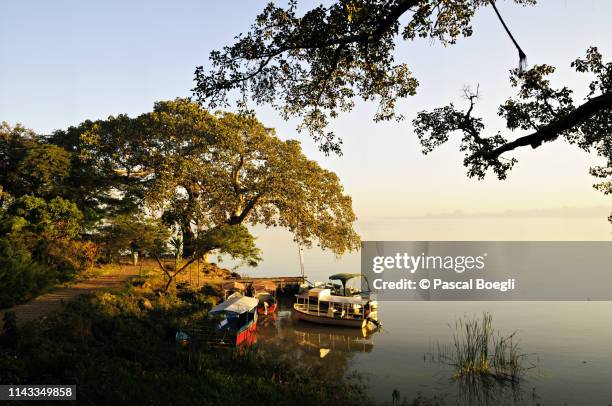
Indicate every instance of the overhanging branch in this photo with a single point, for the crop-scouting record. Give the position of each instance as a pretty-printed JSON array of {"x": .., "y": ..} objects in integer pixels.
[{"x": 551, "y": 131}]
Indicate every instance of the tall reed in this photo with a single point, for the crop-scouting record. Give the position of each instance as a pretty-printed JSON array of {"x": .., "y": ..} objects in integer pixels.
[{"x": 477, "y": 350}]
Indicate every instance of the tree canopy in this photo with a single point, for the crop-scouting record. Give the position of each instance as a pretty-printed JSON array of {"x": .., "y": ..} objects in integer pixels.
[
  {"x": 29, "y": 166},
  {"x": 208, "y": 175},
  {"x": 314, "y": 65}
]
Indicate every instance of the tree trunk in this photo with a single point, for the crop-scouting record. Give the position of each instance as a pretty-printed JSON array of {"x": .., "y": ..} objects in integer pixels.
[
  {"x": 188, "y": 239},
  {"x": 188, "y": 235},
  {"x": 169, "y": 283}
]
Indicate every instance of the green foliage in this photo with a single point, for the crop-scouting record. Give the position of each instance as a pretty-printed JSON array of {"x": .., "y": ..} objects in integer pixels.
[
  {"x": 28, "y": 166},
  {"x": 537, "y": 107},
  {"x": 234, "y": 240},
  {"x": 20, "y": 276},
  {"x": 128, "y": 182},
  {"x": 314, "y": 65},
  {"x": 53, "y": 219},
  {"x": 477, "y": 351},
  {"x": 39, "y": 247},
  {"x": 111, "y": 341},
  {"x": 205, "y": 171},
  {"x": 96, "y": 187},
  {"x": 135, "y": 233}
]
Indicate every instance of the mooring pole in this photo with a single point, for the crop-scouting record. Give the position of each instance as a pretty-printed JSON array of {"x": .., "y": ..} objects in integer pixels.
[{"x": 301, "y": 253}]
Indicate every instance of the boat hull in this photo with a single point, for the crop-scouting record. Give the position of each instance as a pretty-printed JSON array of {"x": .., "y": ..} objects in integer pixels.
[
  {"x": 247, "y": 335},
  {"x": 331, "y": 321}
]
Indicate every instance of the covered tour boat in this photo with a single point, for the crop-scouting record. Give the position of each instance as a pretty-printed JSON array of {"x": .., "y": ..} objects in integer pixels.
[
  {"x": 236, "y": 321},
  {"x": 319, "y": 305},
  {"x": 231, "y": 323}
]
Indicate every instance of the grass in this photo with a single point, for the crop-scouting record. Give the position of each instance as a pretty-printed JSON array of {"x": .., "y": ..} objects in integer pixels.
[{"x": 477, "y": 350}]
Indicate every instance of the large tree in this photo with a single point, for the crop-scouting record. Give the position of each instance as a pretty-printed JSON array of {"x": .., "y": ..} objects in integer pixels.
[
  {"x": 209, "y": 175},
  {"x": 313, "y": 65}
]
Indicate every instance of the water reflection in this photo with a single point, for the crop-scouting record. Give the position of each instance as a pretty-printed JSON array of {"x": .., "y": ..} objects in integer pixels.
[
  {"x": 286, "y": 331},
  {"x": 487, "y": 391},
  {"x": 321, "y": 350}
]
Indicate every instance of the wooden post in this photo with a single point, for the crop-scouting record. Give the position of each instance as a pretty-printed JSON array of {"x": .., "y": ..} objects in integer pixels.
[{"x": 198, "y": 273}]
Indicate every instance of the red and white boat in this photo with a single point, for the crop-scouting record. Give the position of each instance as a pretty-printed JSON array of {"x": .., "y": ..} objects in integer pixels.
[{"x": 265, "y": 293}]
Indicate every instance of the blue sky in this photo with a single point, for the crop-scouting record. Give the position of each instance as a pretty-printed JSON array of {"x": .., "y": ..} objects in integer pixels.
[{"x": 62, "y": 62}]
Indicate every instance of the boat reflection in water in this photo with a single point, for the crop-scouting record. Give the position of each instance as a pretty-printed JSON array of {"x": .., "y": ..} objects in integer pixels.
[
  {"x": 288, "y": 333},
  {"x": 324, "y": 340}
]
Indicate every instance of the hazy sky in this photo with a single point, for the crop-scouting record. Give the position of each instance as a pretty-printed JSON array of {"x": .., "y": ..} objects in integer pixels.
[{"x": 65, "y": 61}]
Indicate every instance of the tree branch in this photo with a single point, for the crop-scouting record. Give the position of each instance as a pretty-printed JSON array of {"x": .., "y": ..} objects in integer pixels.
[
  {"x": 162, "y": 266},
  {"x": 294, "y": 44},
  {"x": 551, "y": 131}
]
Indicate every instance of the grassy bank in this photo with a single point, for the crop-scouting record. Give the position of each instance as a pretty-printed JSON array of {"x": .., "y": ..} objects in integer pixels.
[{"x": 119, "y": 348}]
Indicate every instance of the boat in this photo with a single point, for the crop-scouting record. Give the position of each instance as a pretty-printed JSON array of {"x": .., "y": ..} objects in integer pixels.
[
  {"x": 342, "y": 288},
  {"x": 319, "y": 305},
  {"x": 232, "y": 323},
  {"x": 265, "y": 293},
  {"x": 267, "y": 303}
]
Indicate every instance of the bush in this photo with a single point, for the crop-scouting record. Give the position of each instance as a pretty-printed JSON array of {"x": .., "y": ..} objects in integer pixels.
[
  {"x": 20, "y": 277},
  {"x": 40, "y": 247},
  {"x": 109, "y": 341}
]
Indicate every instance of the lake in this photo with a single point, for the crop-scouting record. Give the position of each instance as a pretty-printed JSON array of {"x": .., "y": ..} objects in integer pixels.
[{"x": 568, "y": 345}]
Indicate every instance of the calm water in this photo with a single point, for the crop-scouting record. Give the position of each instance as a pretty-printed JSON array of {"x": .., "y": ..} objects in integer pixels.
[
  {"x": 572, "y": 341},
  {"x": 570, "y": 346}
]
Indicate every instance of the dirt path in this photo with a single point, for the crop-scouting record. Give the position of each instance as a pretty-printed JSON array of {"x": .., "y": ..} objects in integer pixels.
[{"x": 50, "y": 302}]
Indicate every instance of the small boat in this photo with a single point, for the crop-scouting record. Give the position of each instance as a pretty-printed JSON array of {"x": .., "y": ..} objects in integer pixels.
[
  {"x": 265, "y": 293},
  {"x": 318, "y": 305},
  {"x": 267, "y": 304},
  {"x": 237, "y": 321}
]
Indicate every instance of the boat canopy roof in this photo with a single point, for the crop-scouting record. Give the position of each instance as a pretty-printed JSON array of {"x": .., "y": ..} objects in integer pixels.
[
  {"x": 345, "y": 299},
  {"x": 344, "y": 277},
  {"x": 319, "y": 292},
  {"x": 264, "y": 285},
  {"x": 324, "y": 295},
  {"x": 233, "y": 286},
  {"x": 237, "y": 304}
]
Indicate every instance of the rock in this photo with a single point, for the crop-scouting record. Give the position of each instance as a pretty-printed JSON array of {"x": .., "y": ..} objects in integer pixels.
[
  {"x": 145, "y": 304},
  {"x": 212, "y": 270}
]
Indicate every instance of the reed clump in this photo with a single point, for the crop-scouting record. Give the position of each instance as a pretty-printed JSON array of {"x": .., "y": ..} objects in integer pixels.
[{"x": 477, "y": 350}]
